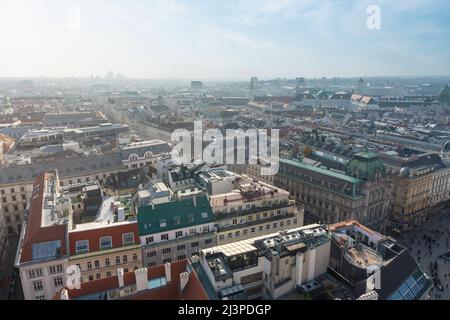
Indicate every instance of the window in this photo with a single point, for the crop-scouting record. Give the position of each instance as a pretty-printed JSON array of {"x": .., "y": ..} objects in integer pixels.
[
  {"x": 261, "y": 228},
  {"x": 98, "y": 276},
  {"x": 176, "y": 221},
  {"x": 295, "y": 221},
  {"x": 181, "y": 247},
  {"x": 230, "y": 235},
  {"x": 190, "y": 218},
  {"x": 41, "y": 297},
  {"x": 192, "y": 231},
  {"x": 164, "y": 237},
  {"x": 128, "y": 238},
  {"x": 168, "y": 260},
  {"x": 151, "y": 254},
  {"x": 135, "y": 256},
  {"x": 149, "y": 240},
  {"x": 208, "y": 241},
  {"x": 106, "y": 242},
  {"x": 152, "y": 264},
  {"x": 82, "y": 246},
  {"x": 35, "y": 273},
  {"x": 117, "y": 260},
  {"x": 108, "y": 274},
  {"x": 125, "y": 259},
  {"x": 38, "y": 286},
  {"x": 166, "y": 250},
  {"x": 97, "y": 264},
  {"x": 107, "y": 262},
  {"x": 91, "y": 278},
  {"x": 252, "y": 230},
  {"x": 178, "y": 234},
  {"x": 58, "y": 282},
  {"x": 162, "y": 223},
  {"x": 55, "y": 269},
  {"x": 267, "y": 226},
  {"x": 222, "y": 237},
  {"x": 89, "y": 265},
  {"x": 182, "y": 257},
  {"x": 204, "y": 215},
  {"x": 275, "y": 225},
  {"x": 244, "y": 232},
  {"x": 194, "y": 244}
]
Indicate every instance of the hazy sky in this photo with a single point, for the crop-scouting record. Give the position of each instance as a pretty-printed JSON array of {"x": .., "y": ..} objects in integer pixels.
[{"x": 223, "y": 39}]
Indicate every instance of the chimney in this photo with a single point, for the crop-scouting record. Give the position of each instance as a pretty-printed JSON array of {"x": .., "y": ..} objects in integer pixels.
[
  {"x": 184, "y": 279},
  {"x": 64, "y": 294},
  {"x": 168, "y": 268},
  {"x": 195, "y": 259},
  {"x": 120, "y": 277},
  {"x": 195, "y": 201},
  {"x": 141, "y": 279}
]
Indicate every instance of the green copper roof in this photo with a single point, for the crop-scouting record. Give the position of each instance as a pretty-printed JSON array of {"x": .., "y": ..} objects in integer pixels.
[
  {"x": 174, "y": 215},
  {"x": 366, "y": 166},
  {"x": 322, "y": 171}
]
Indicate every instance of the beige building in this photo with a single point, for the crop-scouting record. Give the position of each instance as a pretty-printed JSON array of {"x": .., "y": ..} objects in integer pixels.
[
  {"x": 16, "y": 182},
  {"x": 420, "y": 189},
  {"x": 254, "y": 209}
]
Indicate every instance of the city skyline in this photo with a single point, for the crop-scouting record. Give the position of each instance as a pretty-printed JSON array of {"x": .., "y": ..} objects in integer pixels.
[{"x": 226, "y": 40}]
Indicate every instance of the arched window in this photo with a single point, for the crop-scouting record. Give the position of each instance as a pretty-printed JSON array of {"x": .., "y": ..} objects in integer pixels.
[
  {"x": 148, "y": 154},
  {"x": 133, "y": 157}
]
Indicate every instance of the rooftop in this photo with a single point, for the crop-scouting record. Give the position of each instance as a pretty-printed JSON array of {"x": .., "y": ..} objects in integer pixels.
[
  {"x": 174, "y": 215},
  {"x": 157, "y": 286}
]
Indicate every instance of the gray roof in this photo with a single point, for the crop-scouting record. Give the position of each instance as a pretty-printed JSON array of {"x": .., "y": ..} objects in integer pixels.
[
  {"x": 155, "y": 147},
  {"x": 68, "y": 167}
]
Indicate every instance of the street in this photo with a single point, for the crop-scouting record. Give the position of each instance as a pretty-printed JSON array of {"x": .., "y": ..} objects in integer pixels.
[{"x": 427, "y": 245}]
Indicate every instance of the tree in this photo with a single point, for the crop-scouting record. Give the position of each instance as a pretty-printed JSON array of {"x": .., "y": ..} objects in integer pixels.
[{"x": 307, "y": 151}]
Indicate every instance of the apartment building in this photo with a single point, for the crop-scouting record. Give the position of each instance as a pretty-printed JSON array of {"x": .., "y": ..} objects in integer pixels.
[
  {"x": 143, "y": 154},
  {"x": 172, "y": 281},
  {"x": 266, "y": 267},
  {"x": 4, "y": 249},
  {"x": 16, "y": 181},
  {"x": 95, "y": 244},
  {"x": 43, "y": 255},
  {"x": 175, "y": 230},
  {"x": 101, "y": 243},
  {"x": 253, "y": 208},
  {"x": 420, "y": 189}
]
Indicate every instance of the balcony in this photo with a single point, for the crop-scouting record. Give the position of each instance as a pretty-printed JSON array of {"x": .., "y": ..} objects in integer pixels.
[{"x": 253, "y": 210}]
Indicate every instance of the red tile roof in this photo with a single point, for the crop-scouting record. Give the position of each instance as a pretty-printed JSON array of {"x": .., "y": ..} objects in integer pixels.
[
  {"x": 7, "y": 142},
  {"x": 94, "y": 235},
  {"x": 171, "y": 291}
]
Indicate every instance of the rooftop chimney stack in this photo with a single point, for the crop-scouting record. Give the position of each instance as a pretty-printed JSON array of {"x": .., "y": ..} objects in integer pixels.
[
  {"x": 195, "y": 259},
  {"x": 120, "y": 277},
  {"x": 184, "y": 279},
  {"x": 168, "y": 268},
  {"x": 141, "y": 279},
  {"x": 195, "y": 201},
  {"x": 64, "y": 294}
]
